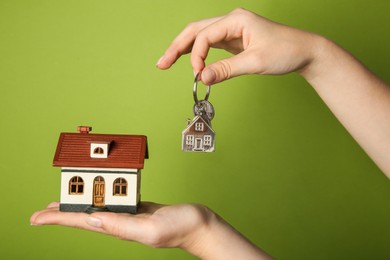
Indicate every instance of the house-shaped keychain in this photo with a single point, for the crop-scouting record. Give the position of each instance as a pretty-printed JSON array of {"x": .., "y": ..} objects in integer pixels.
[
  {"x": 198, "y": 136},
  {"x": 100, "y": 172}
]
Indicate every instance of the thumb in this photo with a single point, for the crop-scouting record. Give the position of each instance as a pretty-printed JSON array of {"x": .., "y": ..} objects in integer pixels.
[
  {"x": 225, "y": 69},
  {"x": 216, "y": 72},
  {"x": 122, "y": 226}
]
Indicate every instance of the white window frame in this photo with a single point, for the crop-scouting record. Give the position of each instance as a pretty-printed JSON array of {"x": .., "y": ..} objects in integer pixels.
[
  {"x": 207, "y": 140},
  {"x": 199, "y": 126},
  {"x": 100, "y": 145},
  {"x": 190, "y": 140}
]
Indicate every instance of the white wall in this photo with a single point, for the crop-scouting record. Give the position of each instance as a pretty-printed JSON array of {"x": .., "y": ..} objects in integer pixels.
[{"x": 87, "y": 196}]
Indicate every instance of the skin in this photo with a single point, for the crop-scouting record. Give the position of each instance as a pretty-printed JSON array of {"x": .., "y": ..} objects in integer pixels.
[
  {"x": 359, "y": 99},
  {"x": 192, "y": 227}
]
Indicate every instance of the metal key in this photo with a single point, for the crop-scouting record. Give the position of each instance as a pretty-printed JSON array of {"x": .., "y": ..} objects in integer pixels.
[
  {"x": 204, "y": 108},
  {"x": 198, "y": 136}
]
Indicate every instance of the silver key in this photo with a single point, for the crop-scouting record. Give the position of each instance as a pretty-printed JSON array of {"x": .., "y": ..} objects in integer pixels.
[{"x": 204, "y": 108}]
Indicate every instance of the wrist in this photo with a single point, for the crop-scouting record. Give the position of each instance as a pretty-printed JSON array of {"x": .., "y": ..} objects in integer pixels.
[
  {"x": 216, "y": 239},
  {"x": 319, "y": 50},
  {"x": 196, "y": 241}
]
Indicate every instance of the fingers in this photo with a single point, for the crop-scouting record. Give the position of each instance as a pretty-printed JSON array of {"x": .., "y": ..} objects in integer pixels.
[
  {"x": 220, "y": 32},
  {"x": 223, "y": 33},
  {"x": 52, "y": 216},
  {"x": 36, "y": 218},
  {"x": 155, "y": 225},
  {"x": 122, "y": 225},
  {"x": 126, "y": 226},
  {"x": 54, "y": 204},
  {"x": 182, "y": 44}
]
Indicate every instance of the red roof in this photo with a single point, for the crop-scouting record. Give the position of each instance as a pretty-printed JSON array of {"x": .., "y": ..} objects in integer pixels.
[{"x": 126, "y": 151}]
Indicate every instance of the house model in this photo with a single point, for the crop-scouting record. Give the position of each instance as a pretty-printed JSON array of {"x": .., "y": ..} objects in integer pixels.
[
  {"x": 100, "y": 172},
  {"x": 198, "y": 136}
]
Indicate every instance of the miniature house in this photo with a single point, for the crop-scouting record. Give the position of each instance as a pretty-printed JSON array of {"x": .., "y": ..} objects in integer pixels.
[
  {"x": 198, "y": 136},
  {"x": 100, "y": 172}
]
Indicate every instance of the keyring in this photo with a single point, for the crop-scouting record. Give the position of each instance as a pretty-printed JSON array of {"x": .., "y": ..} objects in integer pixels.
[{"x": 196, "y": 89}]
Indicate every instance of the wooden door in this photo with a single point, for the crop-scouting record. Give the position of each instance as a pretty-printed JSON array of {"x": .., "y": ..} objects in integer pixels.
[{"x": 98, "y": 191}]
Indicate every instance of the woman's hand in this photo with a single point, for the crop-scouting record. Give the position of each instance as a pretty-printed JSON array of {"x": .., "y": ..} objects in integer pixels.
[
  {"x": 192, "y": 227},
  {"x": 155, "y": 224},
  {"x": 260, "y": 46},
  {"x": 357, "y": 97}
]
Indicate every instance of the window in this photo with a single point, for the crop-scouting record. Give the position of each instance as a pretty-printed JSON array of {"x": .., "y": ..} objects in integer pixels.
[
  {"x": 207, "y": 140},
  {"x": 189, "y": 140},
  {"x": 98, "y": 150},
  {"x": 120, "y": 187},
  {"x": 199, "y": 126},
  {"x": 76, "y": 185}
]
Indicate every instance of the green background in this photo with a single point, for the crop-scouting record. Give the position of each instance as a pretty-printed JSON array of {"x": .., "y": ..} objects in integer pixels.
[{"x": 285, "y": 172}]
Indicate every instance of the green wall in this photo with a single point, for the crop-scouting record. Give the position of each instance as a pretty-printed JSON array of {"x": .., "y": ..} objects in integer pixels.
[{"x": 285, "y": 172}]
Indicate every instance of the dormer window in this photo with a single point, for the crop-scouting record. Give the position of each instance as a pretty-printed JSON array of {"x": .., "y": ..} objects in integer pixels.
[{"x": 99, "y": 149}]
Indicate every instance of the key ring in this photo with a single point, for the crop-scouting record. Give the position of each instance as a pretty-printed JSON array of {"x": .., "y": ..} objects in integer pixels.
[{"x": 196, "y": 88}]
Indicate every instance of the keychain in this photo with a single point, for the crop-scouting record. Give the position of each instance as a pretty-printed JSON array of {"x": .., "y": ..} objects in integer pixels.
[{"x": 198, "y": 136}]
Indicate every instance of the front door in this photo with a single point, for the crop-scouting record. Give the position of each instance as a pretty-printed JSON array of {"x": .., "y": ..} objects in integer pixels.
[
  {"x": 198, "y": 144},
  {"x": 98, "y": 192}
]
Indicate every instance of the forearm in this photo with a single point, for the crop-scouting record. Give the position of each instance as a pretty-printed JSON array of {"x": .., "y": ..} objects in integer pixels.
[
  {"x": 359, "y": 99},
  {"x": 219, "y": 240}
]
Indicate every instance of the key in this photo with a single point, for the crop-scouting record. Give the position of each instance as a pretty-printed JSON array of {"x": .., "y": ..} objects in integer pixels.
[
  {"x": 204, "y": 108},
  {"x": 199, "y": 136}
]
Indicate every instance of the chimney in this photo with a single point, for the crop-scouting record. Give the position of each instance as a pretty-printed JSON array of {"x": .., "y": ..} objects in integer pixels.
[{"x": 84, "y": 129}]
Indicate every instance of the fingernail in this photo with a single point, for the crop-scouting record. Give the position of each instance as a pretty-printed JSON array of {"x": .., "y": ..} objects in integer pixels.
[
  {"x": 208, "y": 76},
  {"x": 95, "y": 222},
  {"x": 159, "y": 60}
]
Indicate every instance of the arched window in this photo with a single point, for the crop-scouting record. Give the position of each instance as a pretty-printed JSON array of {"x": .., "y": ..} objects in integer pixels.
[
  {"x": 120, "y": 187},
  {"x": 76, "y": 185},
  {"x": 98, "y": 150}
]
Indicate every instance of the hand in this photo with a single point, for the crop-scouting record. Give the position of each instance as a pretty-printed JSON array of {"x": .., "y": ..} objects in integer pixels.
[
  {"x": 260, "y": 46},
  {"x": 357, "y": 97},
  {"x": 155, "y": 225},
  {"x": 192, "y": 227}
]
